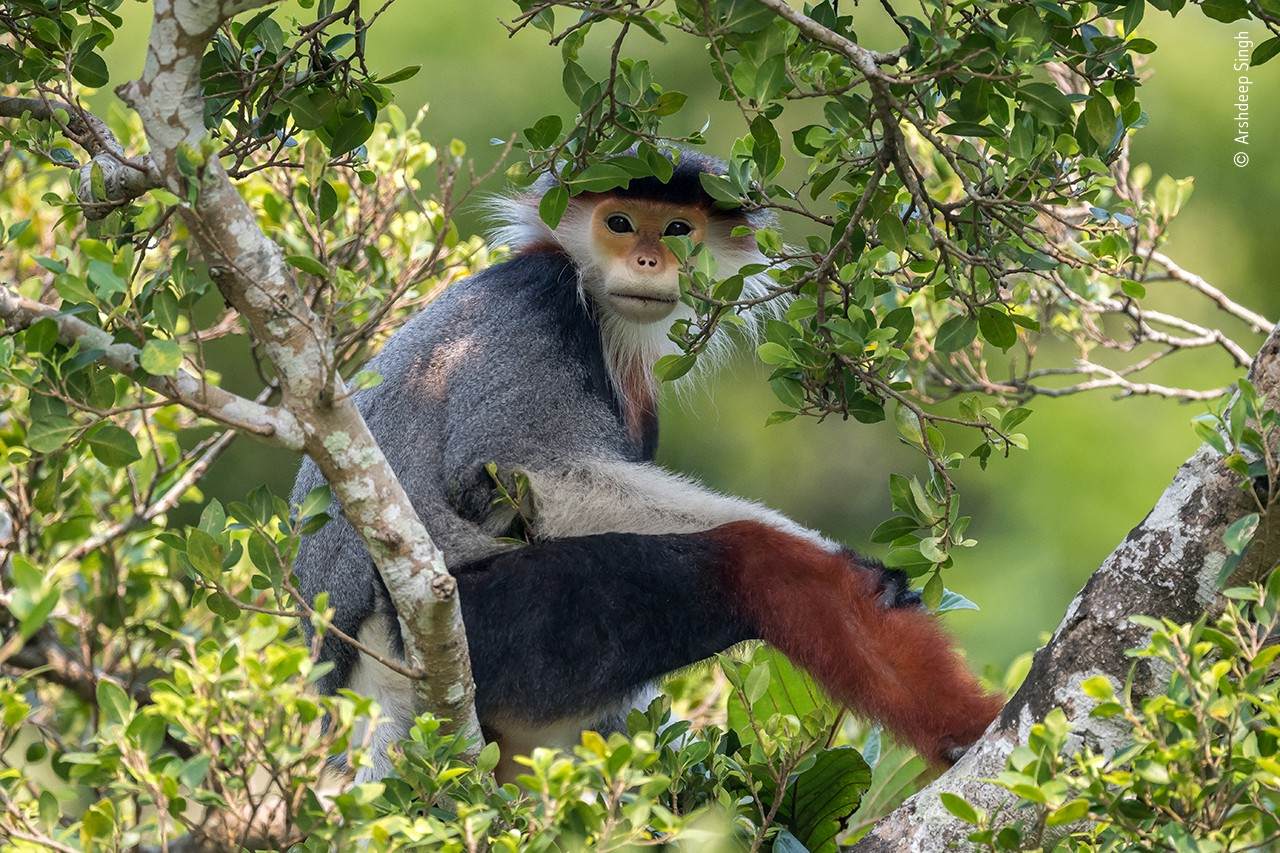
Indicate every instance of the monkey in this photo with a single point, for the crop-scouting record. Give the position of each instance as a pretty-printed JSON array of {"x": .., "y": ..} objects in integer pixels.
[{"x": 541, "y": 365}]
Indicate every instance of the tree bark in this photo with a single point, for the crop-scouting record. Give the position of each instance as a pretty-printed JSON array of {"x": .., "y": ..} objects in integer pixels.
[{"x": 1167, "y": 567}]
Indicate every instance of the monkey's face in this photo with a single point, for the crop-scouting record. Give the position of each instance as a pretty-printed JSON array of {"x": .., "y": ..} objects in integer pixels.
[{"x": 640, "y": 278}]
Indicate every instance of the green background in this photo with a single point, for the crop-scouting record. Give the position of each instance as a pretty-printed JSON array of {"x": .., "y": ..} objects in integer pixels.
[{"x": 1044, "y": 519}]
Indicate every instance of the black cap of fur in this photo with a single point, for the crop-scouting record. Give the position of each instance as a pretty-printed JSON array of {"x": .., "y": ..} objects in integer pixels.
[{"x": 684, "y": 186}]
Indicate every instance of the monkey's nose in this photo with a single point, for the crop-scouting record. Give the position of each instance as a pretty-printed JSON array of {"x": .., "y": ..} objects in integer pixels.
[{"x": 649, "y": 261}]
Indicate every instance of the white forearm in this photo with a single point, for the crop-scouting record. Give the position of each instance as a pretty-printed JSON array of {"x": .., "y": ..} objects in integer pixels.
[{"x": 626, "y": 497}]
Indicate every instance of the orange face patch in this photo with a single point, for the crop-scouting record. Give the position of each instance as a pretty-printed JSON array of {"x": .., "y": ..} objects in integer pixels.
[{"x": 630, "y": 231}]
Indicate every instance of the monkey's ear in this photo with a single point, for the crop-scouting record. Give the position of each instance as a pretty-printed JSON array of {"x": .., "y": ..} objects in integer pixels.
[{"x": 515, "y": 221}]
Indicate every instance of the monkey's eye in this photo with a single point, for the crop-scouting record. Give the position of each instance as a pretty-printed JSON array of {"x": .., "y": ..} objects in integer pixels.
[
  {"x": 677, "y": 228},
  {"x": 619, "y": 224}
]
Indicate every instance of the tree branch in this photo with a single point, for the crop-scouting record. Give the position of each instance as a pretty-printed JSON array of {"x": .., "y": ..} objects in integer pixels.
[
  {"x": 1257, "y": 323},
  {"x": 866, "y": 61},
  {"x": 250, "y": 271},
  {"x": 273, "y": 424},
  {"x": 1166, "y": 567},
  {"x": 124, "y": 178}
]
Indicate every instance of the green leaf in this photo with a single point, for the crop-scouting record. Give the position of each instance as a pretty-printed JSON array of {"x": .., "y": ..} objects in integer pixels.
[
  {"x": 766, "y": 146},
  {"x": 788, "y": 390},
  {"x": 774, "y": 353},
  {"x": 956, "y": 333},
  {"x": 112, "y": 446},
  {"x": 576, "y": 81},
  {"x": 488, "y": 757},
  {"x": 719, "y": 188},
  {"x": 757, "y": 684},
  {"x": 670, "y": 103},
  {"x": 931, "y": 595},
  {"x": 310, "y": 111},
  {"x": 106, "y": 282},
  {"x": 1047, "y": 102},
  {"x": 351, "y": 134},
  {"x": 113, "y": 702},
  {"x": 553, "y": 205},
  {"x": 671, "y": 367},
  {"x": 204, "y": 552},
  {"x": 1238, "y": 536},
  {"x": 996, "y": 327},
  {"x": 1133, "y": 12},
  {"x": 931, "y": 550},
  {"x": 90, "y": 69},
  {"x": 1098, "y": 687},
  {"x": 31, "y": 619},
  {"x": 401, "y": 75},
  {"x": 1265, "y": 52},
  {"x": 896, "y": 527},
  {"x": 960, "y": 807},
  {"x": 601, "y": 177},
  {"x": 224, "y": 607},
  {"x": 545, "y": 131},
  {"x": 1133, "y": 289},
  {"x": 1069, "y": 813},
  {"x": 865, "y": 409},
  {"x": 307, "y": 264},
  {"x": 968, "y": 128},
  {"x": 164, "y": 309},
  {"x": 316, "y": 501},
  {"x": 161, "y": 358},
  {"x": 738, "y": 16},
  {"x": 50, "y": 433},
  {"x": 1226, "y": 11},
  {"x": 194, "y": 770},
  {"x": 326, "y": 201},
  {"x": 41, "y": 335},
  {"x": 892, "y": 233},
  {"x": 819, "y": 800},
  {"x": 1100, "y": 119}
]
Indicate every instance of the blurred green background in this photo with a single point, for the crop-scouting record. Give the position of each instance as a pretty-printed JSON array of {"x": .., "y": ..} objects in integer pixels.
[{"x": 1044, "y": 519}]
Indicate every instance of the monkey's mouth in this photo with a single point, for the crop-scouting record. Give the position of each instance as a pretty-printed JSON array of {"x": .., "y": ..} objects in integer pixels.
[{"x": 645, "y": 299}]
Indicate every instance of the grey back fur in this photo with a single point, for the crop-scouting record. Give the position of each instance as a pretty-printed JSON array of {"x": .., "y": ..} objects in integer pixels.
[{"x": 503, "y": 367}]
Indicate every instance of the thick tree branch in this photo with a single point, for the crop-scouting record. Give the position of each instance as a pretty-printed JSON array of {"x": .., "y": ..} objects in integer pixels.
[
  {"x": 124, "y": 178},
  {"x": 1166, "y": 567},
  {"x": 275, "y": 425},
  {"x": 250, "y": 271}
]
